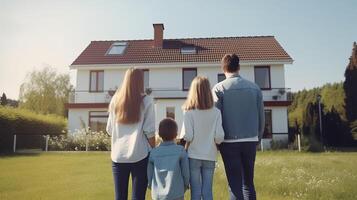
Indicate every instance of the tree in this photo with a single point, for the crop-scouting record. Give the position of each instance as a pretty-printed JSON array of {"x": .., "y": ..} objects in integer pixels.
[
  {"x": 3, "y": 99},
  {"x": 350, "y": 86},
  {"x": 45, "y": 92},
  {"x": 311, "y": 126},
  {"x": 336, "y": 131}
]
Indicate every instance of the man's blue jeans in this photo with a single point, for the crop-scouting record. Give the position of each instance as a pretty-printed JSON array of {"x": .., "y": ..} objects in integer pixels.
[
  {"x": 239, "y": 158},
  {"x": 201, "y": 178}
]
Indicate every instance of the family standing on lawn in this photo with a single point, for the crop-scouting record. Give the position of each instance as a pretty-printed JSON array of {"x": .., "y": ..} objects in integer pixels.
[{"x": 230, "y": 118}]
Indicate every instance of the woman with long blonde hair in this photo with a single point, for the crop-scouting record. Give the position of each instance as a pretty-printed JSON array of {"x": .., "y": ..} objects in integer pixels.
[
  {"x": 202, "y": 130},
  {"x": 131, "y": 124}
]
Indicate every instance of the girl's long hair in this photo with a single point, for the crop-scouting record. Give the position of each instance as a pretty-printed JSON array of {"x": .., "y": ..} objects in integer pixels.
[
  {"x": 128, "y": 98},
  {"x": 199, "y": 95}
]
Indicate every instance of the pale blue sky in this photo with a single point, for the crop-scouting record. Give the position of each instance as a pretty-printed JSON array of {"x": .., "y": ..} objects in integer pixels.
[{"x": 317, "y": 34}]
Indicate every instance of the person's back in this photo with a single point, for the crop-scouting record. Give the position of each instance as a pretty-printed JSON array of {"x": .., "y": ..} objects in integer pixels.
[
  {"x": 241, "y": 105},
  {"x": 240, "y": 101},
  {"x": 202, "y": 130}
]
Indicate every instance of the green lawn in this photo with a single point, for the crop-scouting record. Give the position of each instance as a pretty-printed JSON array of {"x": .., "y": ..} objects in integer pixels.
[{"x": 80, "y": 175}]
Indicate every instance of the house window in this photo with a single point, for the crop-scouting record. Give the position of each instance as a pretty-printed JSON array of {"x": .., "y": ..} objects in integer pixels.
[
  {"x": 188, "y": 50},
  {"x": 262, "y": 77},
  {"x": 98, "y": 120},
  {"x": 146, "y": 78},
  {"x": 117, "y": 48},
  {"x": 268, "y": 129},
  {"x": 188, "y": 74},
  {"x": 170, "y": 112},
  {"x": 96, "y": 81},
  {"x": 221, "y": 77}
]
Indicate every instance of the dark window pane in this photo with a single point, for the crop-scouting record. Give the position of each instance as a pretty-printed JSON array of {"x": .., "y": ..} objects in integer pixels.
[
  {"x": 188, "y": 76},
  {"x": 262, "y": 77},
  {"x": 221, "y": 77},
  {"x": 268, "y": 130}
]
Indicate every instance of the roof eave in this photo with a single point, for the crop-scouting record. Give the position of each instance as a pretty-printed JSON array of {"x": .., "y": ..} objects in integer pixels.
[{"x": 177, "y": 64}]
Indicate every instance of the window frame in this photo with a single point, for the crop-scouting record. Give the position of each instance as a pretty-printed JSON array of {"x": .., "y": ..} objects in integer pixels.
[
  {"x": 271, "y": 122},
  {"x": 97, "y": 78},
  {"x": 269, "y": 74},
  {"x": 90, "y": 116},
  {"x": 188, "y": 50},
  {"x": 183, "y": 77},
  {"x": 121, "y": 44}
]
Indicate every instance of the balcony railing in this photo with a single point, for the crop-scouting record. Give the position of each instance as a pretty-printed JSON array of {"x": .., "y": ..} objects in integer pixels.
[
  {"x": 277, "y": 94},
  {"x": 84, "y": 96}
]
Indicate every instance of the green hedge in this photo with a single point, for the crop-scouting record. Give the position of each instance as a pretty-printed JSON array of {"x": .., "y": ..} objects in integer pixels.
[{"x": 24, "y": 122}]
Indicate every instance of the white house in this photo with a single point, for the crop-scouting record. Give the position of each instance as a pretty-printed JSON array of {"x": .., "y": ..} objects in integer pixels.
[{"x": 169, "y": 66}]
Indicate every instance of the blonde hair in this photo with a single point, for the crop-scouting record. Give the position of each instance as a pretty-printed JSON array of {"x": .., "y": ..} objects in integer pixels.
[
  {"x": 127, "y": 100},
  {"x": 199, "y": 95}
]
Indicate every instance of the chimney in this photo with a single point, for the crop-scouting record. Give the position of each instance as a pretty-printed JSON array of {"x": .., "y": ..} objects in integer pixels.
[{"x": 158, "y": 35}]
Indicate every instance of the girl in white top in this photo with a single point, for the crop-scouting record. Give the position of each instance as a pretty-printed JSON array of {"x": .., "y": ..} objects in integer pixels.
[
  {"x": 202, "y": 130},
  {"x": 131, "y": 124}
]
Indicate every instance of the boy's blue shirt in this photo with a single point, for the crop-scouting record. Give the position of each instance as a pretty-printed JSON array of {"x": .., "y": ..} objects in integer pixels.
[{"x": 168, "y": 171}]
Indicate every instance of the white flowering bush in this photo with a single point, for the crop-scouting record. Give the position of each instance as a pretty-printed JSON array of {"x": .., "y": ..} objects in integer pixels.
[{"x": 79, "y": 140}]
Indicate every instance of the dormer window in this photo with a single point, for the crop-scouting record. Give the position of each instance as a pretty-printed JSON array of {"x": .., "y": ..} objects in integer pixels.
[
  {"x": 188, "y": 50},
  {"x": 117, "y": 48}
]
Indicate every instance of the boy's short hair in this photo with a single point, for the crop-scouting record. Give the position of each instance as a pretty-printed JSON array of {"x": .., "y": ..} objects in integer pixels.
[
  {"x": 230, "y": 63},
  {"x": 168, "y": 129}
]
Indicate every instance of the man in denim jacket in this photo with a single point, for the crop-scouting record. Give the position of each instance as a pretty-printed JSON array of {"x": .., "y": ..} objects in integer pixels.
[{"x": 241, "y": 104}]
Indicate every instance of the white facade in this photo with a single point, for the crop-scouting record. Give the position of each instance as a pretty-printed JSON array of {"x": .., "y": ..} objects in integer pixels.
[{"x": 166, "y": 83}]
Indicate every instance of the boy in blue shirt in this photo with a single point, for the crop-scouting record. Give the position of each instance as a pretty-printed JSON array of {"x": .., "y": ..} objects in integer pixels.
[{"x": 168, "y": 168}]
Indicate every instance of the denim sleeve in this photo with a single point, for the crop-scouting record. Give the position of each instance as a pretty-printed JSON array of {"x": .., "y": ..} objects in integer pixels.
[
  {"x": 149, "y": 121},
  {"x": 261, "y": 116},
  {"x": 219, "y": 133},
  {"x": 187, "y": 127},
  {"x": 150, "y": 171},
  {"x": 217, "y": 97},
  {"x": 185, "y": 170}
]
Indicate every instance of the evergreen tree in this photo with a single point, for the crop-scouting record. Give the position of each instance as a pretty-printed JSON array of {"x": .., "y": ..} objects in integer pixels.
[
  {"x": 350, "y": 86},
  {"x": 336, "y": 131},
  {"x": 3, "y": 99}
]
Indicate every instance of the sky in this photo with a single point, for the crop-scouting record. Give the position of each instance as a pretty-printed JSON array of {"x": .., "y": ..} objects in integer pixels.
[{"x": 34, "y": 34}]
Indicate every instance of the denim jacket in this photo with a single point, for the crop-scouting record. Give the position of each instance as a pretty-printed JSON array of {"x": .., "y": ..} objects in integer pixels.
[
  {"x": 242, "y": 108},
  {"x": 168, "y": 171}
]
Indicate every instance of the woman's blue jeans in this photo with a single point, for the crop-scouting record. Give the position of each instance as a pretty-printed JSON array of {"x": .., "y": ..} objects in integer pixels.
[
  {"x": 201, "y": 178},
  {"x": 121, "y": 173}
]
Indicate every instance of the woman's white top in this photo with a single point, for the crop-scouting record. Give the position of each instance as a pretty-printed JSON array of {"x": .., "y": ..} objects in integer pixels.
[
  {"x": 130, "y": 141},
  {"x": 203, "y": 129}
]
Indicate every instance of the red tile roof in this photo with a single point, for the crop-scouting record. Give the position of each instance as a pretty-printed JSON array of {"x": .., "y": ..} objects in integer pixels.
[{"x": 257, "y": 48}]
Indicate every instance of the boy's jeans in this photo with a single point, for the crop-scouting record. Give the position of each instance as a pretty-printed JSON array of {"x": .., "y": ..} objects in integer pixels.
[{"x": 201, "y": 178}]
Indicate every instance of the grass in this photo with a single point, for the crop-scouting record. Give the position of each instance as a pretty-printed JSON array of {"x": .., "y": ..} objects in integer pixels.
[{"x": 80, "y": 175}]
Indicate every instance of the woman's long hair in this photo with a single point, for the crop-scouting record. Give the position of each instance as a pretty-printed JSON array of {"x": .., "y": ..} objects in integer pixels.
[
  {"x": 127, "y": 100},
  {"x": 199, "y": 95}
]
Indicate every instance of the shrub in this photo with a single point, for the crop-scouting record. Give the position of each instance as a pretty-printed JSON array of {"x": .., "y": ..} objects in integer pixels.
[
  {"x": 278, "y": 144},
  {"x": 76, "y": 141},
  {"x": 24, "y": 122}
]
